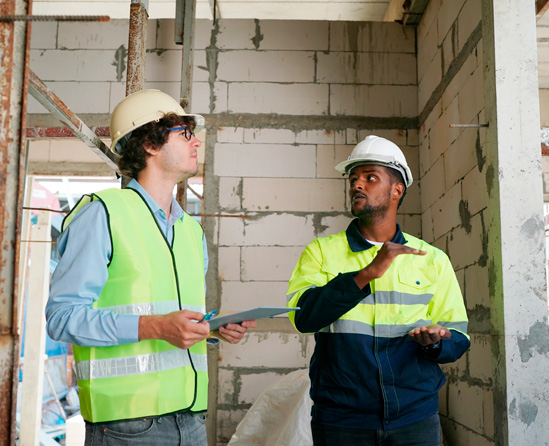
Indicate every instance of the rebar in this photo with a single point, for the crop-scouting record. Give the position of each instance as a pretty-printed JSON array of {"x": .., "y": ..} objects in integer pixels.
[{"x": 54, "y": 18}]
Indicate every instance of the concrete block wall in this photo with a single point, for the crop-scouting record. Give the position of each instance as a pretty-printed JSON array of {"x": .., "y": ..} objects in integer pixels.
[
  {"x": 275, "y": 166},
  {"x": 284, "y": 103},
  {"x": 454, "y": 198}
]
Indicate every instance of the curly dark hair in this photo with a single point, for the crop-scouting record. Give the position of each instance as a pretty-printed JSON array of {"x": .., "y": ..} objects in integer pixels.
[{"x": 153, "y": 135}]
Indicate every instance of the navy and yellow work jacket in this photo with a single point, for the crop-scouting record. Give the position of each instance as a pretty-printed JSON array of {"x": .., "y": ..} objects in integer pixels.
[{"x": 366, "y": 372}]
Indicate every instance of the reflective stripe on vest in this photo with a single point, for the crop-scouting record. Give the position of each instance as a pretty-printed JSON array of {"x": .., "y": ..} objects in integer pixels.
[
  {"x": 146, "y": 276},
  {"x": 154, "y": 308},
  {"x": 414, "y": 291},
  {"x": 132, "y": 365}
]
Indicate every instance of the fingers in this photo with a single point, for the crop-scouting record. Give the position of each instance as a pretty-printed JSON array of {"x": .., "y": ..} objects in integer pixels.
[
  {"x": 429, "y": 335},
  {"x": 234, "y": 333}
]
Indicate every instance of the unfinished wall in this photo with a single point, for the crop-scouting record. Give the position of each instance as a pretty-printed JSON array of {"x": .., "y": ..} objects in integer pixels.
[
  {"x": 285, "y": 102},
  {"x": 454, "y": 198}
]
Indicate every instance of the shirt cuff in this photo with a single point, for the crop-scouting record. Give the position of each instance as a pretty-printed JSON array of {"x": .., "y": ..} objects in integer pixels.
[{"x": 127, "y": 328}]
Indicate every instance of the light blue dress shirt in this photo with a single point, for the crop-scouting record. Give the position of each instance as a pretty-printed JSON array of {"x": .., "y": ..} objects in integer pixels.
[{"x": 81, "y": 274}]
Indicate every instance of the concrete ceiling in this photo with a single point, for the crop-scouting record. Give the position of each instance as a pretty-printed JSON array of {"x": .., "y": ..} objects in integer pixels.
[{"x": 353, "y": 10}]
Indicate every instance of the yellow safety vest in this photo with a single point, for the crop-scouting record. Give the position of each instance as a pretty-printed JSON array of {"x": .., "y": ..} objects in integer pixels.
[{"x": 146, "y": 277}]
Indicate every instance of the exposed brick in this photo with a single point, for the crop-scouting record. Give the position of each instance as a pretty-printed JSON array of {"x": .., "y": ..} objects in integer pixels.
[
  {"x": 410, "y": 224},
  {"x": 427, "y": 49},
  {"x": 229, "y": 263},
  {"x": 447, "y": 16},
  {"x": 477, "y": 291},
  {"x": 332, "y": 225},
  {"x": 373, "y": 100},
  {"x": 446, "y": 211},
  {"x": 468, "y": 19},
  {"x": 432, "y": 185},
  {"x": 84, "y": 65},
  {"x": 463, "y": 394},
  {"x": 456, "y": 434},
  {"x": 328, "y": 156},
  {"x": 252, "y": 385},
  {"x": 230, "y": 134},
  {"x": 461, "y": 156},
  {"x": 358, "y": 36},
  {"x": 297, "y": 35},
  {"x": 412, "y": 201},
  {"x": 471, "y": 97},
  {"x": 44, "y": 35},
  {"x": 278, "y": 350},
  {"x": 266, "y": 66},
  {"x": 430, "y": 80},
  {"x": 98, "y": 36},
  {"x": 289, "y": 194},
  {"x": 480, "y": 357},
  {"x": 279, "y": 230},
  {"x": 292, "y": 99},
  {"x": 238, "y": 296},
  {"x": 231, "y": 232},
  {"x": 367, "y": 68},
  {"x": 264, "y": 160},
  {"x": 235, "y": 34},
  {"x": 229, "y": 197},
  {"x": 315, "y": 137},
  {"x": 225, "y": 386},
  {"x": 270, "y": 136},
  {"x": 269, "y": 263}
]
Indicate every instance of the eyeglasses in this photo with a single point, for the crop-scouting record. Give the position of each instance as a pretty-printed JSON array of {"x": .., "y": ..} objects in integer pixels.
[{"x": 188, "y": 132}]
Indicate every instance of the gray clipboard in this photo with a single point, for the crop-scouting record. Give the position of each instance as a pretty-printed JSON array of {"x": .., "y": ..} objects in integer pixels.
[{"x": 248, "y": 315}]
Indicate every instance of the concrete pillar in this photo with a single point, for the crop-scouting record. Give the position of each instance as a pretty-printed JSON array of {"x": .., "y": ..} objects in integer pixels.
[{"x": 518, "y": 294}]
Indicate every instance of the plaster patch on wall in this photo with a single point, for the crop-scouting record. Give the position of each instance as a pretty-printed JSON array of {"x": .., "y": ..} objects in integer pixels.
[
  {"x": 525, "y": 411},
  {"x": 490, "y": 175},
  {"x": 481, "y": 159},
  {"x": 483, "y": 259},
  {"x": 537, "y": 340},
  {"x": 120, "y": 62},
  {"x": 530, "y": 230},
  {"x": 465, "y": 216},
  {"x": 256, "y": 40},
  {"x": 212, "y": 64}
]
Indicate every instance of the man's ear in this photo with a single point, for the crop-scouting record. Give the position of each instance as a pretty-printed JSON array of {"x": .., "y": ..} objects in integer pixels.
[
  {"x": 398, "y": 191},
  {"x": 150, "y": 149}
]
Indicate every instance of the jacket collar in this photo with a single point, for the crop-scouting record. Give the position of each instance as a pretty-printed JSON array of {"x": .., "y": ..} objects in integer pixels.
[{"x": 358, "y": 243}]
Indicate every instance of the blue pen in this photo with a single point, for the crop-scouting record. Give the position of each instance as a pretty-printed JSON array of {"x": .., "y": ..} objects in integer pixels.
[{"x": 209, "y": 315}]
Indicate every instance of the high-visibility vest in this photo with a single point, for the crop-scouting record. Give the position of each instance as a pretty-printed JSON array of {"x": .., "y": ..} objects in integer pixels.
[{"x": 146, "y": 276}]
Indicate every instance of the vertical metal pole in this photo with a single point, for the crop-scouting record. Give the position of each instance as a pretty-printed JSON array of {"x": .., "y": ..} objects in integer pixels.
[
  {"x": 184, "y": 34},
  {"x": 137, "y": 45},
  {"x": 189, "y": 13},
  {"x": 14, "y": 50}
]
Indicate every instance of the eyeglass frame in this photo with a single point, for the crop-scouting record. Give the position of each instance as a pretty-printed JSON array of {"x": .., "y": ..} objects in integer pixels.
[{"x": 186, "y": 129}]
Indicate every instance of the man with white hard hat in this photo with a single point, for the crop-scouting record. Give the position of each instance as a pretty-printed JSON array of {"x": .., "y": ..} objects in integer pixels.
[
  {"x": 129, "y": 289},
  {"x": 386, "y": 310}
]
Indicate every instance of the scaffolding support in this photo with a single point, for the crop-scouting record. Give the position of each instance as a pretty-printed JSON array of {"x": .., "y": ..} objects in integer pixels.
[
  {"x": 57, "y": 108},
  {"x": 14, "y": 51},
  {"x": 137, "y": 46}
]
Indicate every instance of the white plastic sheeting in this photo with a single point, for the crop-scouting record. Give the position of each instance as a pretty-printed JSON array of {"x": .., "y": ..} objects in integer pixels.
[{"x": 281, "y": 415}]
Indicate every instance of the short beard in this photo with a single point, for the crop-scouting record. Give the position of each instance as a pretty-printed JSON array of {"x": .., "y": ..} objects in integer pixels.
[{"x": 369, "y": 214}]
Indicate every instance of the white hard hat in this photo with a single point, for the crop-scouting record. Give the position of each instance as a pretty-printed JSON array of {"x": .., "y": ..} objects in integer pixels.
[
  {"x": 142, "y": 107},
  {"x": 377, "y": 150}
]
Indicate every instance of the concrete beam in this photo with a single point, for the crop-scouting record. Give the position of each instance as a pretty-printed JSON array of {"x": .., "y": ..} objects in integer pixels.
[{"x": 515, "y": 228}]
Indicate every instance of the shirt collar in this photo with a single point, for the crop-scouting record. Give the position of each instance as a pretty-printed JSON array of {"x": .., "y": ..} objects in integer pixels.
[
  {"x": 176, "y": 211},
  {"x": 358, "y": 243}
]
